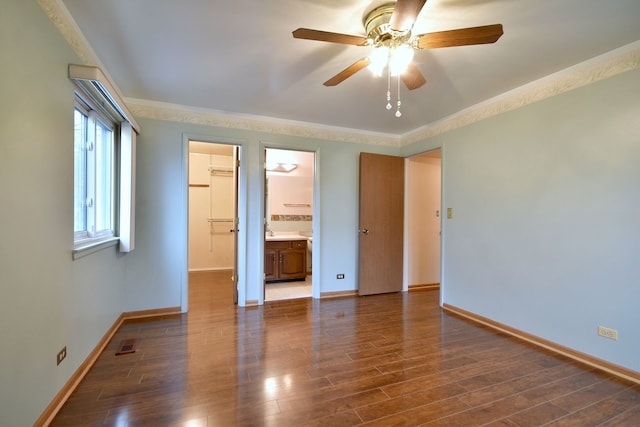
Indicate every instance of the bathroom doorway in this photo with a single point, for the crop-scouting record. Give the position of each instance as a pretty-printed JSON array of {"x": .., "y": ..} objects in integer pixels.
[
  {"x": 212, "y": 223},
  {"x": 288, "y": 247}
]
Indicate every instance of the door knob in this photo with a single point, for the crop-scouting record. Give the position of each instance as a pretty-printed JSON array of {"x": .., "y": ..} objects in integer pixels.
[{"x": 365, "y": 231}]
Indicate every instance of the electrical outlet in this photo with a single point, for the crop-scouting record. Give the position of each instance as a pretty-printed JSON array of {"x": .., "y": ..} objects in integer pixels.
[
  {"x": 61, "y": 355},
  {"x": 340, "y": 276},
  {"x": 612, "y": 334}
]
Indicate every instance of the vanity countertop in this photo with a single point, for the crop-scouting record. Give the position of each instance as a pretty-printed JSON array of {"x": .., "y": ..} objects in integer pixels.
[{"x": 281, "y": 237}]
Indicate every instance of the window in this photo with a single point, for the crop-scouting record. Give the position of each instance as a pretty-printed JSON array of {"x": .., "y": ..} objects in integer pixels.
[
  {"x": 105, "y": 134},
  {"x": 94, "y": 175}
]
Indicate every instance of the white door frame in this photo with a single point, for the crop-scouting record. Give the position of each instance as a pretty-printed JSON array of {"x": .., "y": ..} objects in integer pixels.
[{"x": 241, "y": 200}]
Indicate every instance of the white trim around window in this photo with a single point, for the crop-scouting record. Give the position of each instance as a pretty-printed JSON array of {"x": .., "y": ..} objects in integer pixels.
[{"x": 104, "y": 165}]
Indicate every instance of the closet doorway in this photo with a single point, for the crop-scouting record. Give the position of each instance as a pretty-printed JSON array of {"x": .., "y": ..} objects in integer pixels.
[
  {"x": 423, "y": 220},
  {"x": 213, "y": 213},
  {"x": 288, "y": 247}
]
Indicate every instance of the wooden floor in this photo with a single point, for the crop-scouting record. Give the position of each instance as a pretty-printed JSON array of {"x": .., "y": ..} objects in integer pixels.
[{"x": 386, "y": 360}]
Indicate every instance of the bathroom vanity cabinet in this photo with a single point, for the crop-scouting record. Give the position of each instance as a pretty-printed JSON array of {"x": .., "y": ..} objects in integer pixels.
[{"x": 285, "y": 260}]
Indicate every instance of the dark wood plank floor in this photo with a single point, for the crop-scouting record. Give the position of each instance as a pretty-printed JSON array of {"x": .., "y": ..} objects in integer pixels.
[{"x": 386, "y": 360}]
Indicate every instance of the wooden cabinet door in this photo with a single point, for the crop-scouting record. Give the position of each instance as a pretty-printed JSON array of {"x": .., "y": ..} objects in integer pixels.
[
  {"x": 292, "y": 263},
  {"x": 270, "y": 264}
]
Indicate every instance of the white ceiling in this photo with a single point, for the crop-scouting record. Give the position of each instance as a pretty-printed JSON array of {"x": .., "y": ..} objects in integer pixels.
[{"x": 240, "y": 57}]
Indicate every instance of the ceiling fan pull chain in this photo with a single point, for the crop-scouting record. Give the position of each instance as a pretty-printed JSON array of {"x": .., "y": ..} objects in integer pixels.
[
  {"x": 388, "y": 88},
  {"x": 398, "y": 113}
]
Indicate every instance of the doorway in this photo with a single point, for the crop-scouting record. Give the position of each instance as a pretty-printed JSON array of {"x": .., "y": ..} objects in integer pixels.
[
  {"x": 288, "y": 218},
  {"x": 423, "y": 221},
  {"x": 212, "y": 220}
]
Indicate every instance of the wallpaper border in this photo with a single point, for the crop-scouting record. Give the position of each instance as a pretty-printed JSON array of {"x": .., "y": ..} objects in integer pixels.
[{"x": 615, "y": 62}]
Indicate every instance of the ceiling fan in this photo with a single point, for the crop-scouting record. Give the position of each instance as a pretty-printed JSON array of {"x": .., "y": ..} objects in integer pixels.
[{"x": 388, "y": 29}]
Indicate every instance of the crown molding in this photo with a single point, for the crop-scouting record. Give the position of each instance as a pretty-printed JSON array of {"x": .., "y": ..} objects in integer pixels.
[
  {"x": 601, "y": 67},
  {"x": 59, "y": 15},
  {"x": 617, "y": 61},
  {"x": 208, "y": 117},
  {"x": 625, "y": 58}
]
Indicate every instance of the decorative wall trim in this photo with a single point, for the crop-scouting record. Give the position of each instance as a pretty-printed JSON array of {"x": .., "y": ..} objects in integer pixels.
[
  {"x": 59, "y": 15},
  {"x": 617, "y": 61},
  {"x": 611, "y": 368},
  {"x": 208, "y": 117},
  {"x": 625, "y": 58},
  {"x": 54, "y": 407}
]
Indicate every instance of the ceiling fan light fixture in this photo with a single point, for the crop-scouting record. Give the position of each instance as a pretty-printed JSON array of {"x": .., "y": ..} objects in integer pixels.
[
  {"x": 379, "y": 59},
  {"x": 376, "y": 22},
  {"x": 400, "y": 58},
  {"x": 389, "y": 30}
]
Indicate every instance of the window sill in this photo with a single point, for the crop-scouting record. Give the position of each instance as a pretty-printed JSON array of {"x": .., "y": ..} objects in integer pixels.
[{"x": 88, "y": 248}]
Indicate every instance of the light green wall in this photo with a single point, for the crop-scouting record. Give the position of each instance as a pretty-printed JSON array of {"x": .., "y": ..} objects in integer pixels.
[
  {"x": 544, "y": 238},
  {"x": 156, "y": 270},
  {"x": 48, "y": 301},
  {"x": 545, "y": 235}
]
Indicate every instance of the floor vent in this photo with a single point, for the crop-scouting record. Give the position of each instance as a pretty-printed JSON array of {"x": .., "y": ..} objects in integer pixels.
[{"x": 127, "y": 346}]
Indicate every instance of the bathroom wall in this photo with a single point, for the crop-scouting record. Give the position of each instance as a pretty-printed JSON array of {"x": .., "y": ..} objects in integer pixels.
[{"x": 290, "y": 194}]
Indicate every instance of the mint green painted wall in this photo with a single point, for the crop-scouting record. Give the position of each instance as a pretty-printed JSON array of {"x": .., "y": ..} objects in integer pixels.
[
  {"x": 156, "y": 270},
  {"x": 546, "y": 233},
  {"x": 48, "y": 301},
  {"x": 545, "y": 199}
]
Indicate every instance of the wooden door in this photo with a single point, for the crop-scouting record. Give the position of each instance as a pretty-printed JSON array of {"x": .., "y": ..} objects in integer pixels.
[{"x": 381, "y": 223}]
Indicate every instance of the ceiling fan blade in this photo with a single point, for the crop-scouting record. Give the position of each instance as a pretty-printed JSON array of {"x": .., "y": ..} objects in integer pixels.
[
  {"x": 326, "y": 36},
  {"x": 462, "y": 37},
  {"x": 348, "y": 72},
  {"x": 412, "y": 77},
  {"x": 405, "y": 14}
]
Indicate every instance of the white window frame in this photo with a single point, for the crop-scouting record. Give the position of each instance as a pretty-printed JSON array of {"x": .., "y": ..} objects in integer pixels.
[
  {"x": 94, "y": 201},
  {"x": 95, "y": 89}
]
